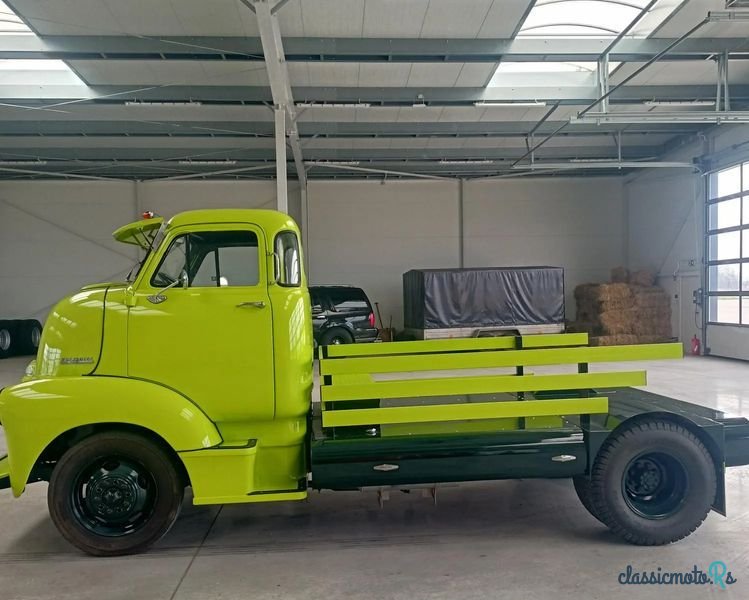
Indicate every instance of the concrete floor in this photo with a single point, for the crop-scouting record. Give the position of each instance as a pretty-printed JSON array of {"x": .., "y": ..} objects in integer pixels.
[{"x": 513, "y": 539}]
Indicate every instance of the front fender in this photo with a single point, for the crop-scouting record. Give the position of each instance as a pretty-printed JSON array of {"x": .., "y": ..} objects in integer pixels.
[{"x": 36, "y": 412}]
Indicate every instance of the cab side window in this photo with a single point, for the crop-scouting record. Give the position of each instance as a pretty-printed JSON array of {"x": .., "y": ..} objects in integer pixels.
[
  {"x": 211, "y": 259},
  {"x": 288, "y": 267}
]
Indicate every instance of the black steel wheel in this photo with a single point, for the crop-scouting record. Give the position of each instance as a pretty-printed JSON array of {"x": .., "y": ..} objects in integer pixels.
[
  {"x": 336, "y": 336},
  {"x": 28, "y": 335},
  {"x": 114, "y": 493},
  {"x": 653, "y": 482}
]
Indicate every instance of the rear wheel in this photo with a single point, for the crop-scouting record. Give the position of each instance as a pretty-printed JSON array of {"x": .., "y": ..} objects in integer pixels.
[
  {"x": 653, "y": 483},
  {"x": 582, "y": 487},
  {"x": 114, "y": 493},
  {"x": 334, "y": 337}
]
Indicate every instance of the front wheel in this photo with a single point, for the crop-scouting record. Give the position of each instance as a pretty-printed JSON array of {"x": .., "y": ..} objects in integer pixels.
[
  {"x": 653, "y": 483},
  {"x": 114, "y": 493}
]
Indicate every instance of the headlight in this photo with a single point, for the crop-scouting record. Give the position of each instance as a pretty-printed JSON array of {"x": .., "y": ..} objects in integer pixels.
[{"x": 30, "y": 370}]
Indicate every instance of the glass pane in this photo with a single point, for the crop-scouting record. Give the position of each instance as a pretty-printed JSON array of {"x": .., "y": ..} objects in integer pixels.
[
  {"x": 287, "y": 260},
  {"x": 746, "y": 176},
  {"x": 172, "y": 264},
  {"x": 580, "y": 18},
  {"x": 224, "y": 258},
  {"x": 745, "y": 277},
  {"x": 725, "y": 183},
  {"x": 725, "y": 214},
  {"x": 723, "y": 278},
  {"x": 724, "y": 309},
  {"x": 349, "y": 299},
  {"x": 745, "y": 310},
  {"x": 745, "y": 243},
  {"x": 745, "y": 210},
  {"x": 725, "y": 246}
]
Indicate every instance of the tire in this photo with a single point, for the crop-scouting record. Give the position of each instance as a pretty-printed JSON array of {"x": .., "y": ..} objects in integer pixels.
[
  {"x": 582, "y": 487},
  {"x": 139, "y": 494},
  {"x": 653, "y": 483},
  {"x": 336, "y": 336},
  {"x": 7, "y": 338},
  {"x": 28, "y": 334}
]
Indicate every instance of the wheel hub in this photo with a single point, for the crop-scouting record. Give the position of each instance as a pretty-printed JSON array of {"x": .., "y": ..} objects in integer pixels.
[
  {"x": 655, "y": 485},
  {"x": 114, "y": 497}
]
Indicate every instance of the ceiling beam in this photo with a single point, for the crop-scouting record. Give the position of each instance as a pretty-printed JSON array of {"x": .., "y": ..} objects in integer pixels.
[
  {"x": 278, "y": 76},
  {"x": 375, "y": 96},
  {"x": 308, "y": 129},
  {"x": 361, "y": 49}
]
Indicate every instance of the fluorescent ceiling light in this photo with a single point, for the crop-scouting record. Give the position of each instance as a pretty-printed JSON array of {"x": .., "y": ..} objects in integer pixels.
[
  {"x": 467, "y": 162},
  {"x": 332, "y": 105},
  {"x": 600, "y": 164},
  {"x": 338, "y": 163},
  {"x": 507, "y": 104},
  {"x": 734, "y": 116},
  {"x": 22, "y": 163},
  {"x": 208, "y": 162},
  {"x": 148, "y": 103},
  {"x": 679, "y": 102}
]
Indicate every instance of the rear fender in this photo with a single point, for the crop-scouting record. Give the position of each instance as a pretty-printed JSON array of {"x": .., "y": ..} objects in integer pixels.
[{"x": 37, "y": 412}]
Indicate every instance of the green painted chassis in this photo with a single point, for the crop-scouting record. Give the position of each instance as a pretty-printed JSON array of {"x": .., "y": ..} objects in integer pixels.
[
  {"x": 346, "y": 458},
  {"x": 374, "y": 428}
]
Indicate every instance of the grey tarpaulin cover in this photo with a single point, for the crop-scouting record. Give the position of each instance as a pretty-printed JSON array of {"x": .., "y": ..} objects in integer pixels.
[{"x": 488, "y": 297}]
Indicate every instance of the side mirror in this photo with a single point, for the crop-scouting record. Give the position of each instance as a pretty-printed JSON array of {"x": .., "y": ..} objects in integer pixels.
[
  {"x": 159, "y": 296},
  {"x": 184, "y": 279}
]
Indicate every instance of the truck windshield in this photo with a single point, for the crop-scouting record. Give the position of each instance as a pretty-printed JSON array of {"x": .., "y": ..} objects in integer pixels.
[{"x": 155, "y": 243}]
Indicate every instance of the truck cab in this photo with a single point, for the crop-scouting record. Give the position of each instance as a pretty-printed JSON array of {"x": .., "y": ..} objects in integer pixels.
[{"x": 206, "y": 350}]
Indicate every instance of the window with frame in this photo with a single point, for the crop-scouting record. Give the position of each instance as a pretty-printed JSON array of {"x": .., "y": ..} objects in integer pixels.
[
  {"x": 211, "y": 259},
  {"x": 727, "y": 244},
  {"x": 287, "y": 265}
]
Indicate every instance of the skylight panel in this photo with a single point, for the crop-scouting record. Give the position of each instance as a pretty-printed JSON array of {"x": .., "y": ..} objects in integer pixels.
[
  {"x": 10, "y": 22},
  {"x": 30, "y": 71},
  {"x": 580, "y": 18}
]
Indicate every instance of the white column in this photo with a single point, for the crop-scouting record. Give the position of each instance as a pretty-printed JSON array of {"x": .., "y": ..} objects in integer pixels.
[{"x": 282, "y": 199}]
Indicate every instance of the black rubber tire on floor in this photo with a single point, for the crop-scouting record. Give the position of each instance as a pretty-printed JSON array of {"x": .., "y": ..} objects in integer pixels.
[
  {"x": 582, "y": 487},
  {"x": 28, "y": 333},
  {"x": 337, "y": 333},
  {"x": 162, "y": 477},
  {"x": 686, "y": 467},
  {"x": 7, "y": 338}
]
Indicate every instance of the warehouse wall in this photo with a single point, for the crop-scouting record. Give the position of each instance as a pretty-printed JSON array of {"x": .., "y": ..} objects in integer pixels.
[
  {"x": 368, "y": 233},
  {"x": 55, "y": 236},
  {"x": 665, "y": 221}
]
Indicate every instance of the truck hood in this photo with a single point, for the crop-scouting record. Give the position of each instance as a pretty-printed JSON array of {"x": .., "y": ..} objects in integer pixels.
[{"x": 72, "y": 337}]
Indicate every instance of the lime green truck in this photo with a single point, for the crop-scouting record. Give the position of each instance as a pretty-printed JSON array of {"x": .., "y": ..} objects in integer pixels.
[{"x": 198, "y": 372}]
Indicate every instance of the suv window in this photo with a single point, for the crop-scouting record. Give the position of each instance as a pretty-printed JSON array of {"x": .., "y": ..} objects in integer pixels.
[
  {"x": 211, "y": 259},
  {"x": 348, "y": 300}
]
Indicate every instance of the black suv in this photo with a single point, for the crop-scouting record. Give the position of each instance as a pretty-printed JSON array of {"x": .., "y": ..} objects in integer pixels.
[{"x": 341, "y": 314}]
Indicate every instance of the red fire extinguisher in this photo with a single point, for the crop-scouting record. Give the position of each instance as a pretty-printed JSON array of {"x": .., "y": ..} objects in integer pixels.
[{"x": 695, "y": 345}]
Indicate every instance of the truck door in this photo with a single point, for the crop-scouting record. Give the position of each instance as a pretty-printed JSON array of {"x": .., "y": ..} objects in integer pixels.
[{"x": 208, "y": 336}]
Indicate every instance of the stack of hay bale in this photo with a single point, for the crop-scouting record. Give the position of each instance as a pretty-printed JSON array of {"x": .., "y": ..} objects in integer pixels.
[{"x": 630, "y": 310}]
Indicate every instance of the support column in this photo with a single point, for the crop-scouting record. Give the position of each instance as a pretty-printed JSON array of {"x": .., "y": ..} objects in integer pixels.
[
  {"x": 461, "y": 228},
  {"x": 282, "y": 196}
]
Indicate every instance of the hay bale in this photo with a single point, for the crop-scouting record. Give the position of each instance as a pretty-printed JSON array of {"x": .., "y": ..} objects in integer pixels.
[
  {"x": 613, "y": 340},
  {"x": 620, "y": 275},
  {"x": 643, "y": 277}
]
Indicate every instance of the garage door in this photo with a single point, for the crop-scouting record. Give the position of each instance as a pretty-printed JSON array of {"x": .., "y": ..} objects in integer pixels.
[{"x": 727, "y": 250}]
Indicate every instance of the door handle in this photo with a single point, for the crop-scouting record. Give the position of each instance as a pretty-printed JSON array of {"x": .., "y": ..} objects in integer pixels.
[{"x": 258, "y": 304}]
